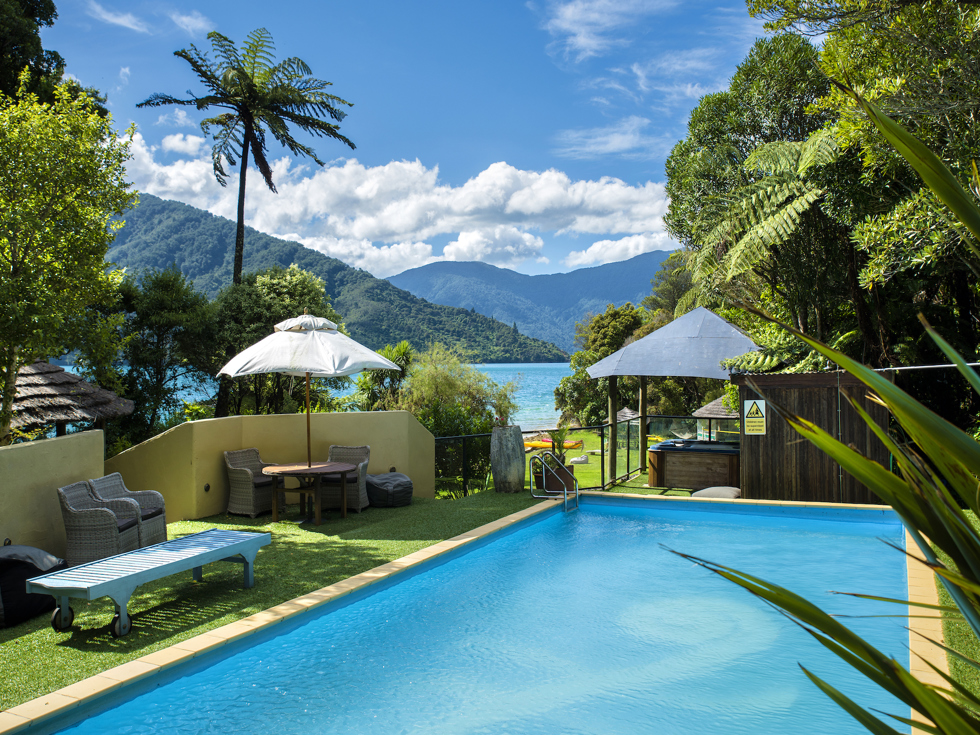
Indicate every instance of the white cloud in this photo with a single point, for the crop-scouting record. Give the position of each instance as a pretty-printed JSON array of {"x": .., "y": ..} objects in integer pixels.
[
  {"x": 189, "y": 145},
  {"x": 611, "y": 251},
  {"x": 625, "y": 138},
  {"x": 194, "y": 24},
  {"x": 381, "y": 218},
  {"x": 584, "y": 28},
  {"x": 124, "y": 75},
  {"x": 503, "y": 245},
  {"x": 651, "y": 73},
  {"x": 126, "y": 20},
  {"x": 177, "y": 118}
]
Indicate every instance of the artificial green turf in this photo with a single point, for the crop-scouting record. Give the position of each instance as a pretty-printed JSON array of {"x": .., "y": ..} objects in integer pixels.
[{"x": 301, "y": 558}]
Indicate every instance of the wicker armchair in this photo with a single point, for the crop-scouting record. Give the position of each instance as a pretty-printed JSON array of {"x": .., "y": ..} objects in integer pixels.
[
  {"x": 97, "y": 528},
  {"x": 357, "y": 497},
  {"x": 251, "y": 491},
  {"x": 153, "y": 514}
]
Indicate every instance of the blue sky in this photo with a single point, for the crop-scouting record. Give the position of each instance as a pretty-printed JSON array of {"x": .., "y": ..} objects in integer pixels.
[{"x": 527, "y": 135}]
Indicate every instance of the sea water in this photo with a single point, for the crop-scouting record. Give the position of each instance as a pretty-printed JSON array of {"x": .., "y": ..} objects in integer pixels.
[
  {"x": 535, "y": 396},
  {"x": 583, "y": 622}
]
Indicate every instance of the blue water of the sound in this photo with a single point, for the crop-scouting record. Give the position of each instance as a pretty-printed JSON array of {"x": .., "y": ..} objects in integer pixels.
[
  {"x": 583, "y": 622},
  {"x": 535, "y": 395}
]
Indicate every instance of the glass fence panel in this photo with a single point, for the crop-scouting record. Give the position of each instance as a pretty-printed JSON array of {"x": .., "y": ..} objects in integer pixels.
[
  {"x": 462, "y": 465},
  {"x": 582, "y": 456},
  {"x": 726, "y": 430},
  {"x": 665, "y": 428}
]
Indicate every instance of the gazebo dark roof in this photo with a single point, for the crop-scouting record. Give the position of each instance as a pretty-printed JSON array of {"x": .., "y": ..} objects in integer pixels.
[
  {"x": 46, "y": 395},
  {"x": 692, "y": 345}
]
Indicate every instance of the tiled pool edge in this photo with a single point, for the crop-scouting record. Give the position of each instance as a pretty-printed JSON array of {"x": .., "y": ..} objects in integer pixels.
[
  {"x": 41, "y": 710},
  {"x": 922, "y": 589}
]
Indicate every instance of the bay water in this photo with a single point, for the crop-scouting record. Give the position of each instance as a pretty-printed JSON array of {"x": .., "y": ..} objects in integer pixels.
[{"x": 535, "y": 396}]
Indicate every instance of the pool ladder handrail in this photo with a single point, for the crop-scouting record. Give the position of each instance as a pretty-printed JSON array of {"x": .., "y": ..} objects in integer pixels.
[{"x": 545, "y": 467}]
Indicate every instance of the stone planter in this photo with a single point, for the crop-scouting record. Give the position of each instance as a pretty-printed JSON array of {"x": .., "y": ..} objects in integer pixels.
[{"x": 507, "y": 459}]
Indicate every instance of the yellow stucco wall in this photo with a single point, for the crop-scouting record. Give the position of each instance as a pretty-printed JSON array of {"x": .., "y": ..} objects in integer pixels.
[
  {"x": 30, "y": 475},
  {"x": 183, "y": 461}
]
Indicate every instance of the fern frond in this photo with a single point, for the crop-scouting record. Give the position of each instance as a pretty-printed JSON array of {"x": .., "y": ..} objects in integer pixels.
[
  {"x": 781, "y": 156},
  {"x": 820, "y": 149},
  {"x": 774, "y": 230}
]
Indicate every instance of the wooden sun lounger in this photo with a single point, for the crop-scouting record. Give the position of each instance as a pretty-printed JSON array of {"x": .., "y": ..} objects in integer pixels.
[{"x": 119, "y": 576}]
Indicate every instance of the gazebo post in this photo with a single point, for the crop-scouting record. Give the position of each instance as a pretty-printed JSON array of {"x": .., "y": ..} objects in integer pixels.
[
  {"x": 613, "y": 428},
  {"x": 642, "y": 409}
]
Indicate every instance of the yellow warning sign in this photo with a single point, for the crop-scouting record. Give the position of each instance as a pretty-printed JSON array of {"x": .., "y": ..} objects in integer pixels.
[{"x": 754, "y": 417}]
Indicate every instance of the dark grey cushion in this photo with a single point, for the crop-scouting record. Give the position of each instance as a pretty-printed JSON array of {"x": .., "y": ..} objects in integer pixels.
[
  {"x": 721, "y": 491},
  {"x": 390, "y": 490}
]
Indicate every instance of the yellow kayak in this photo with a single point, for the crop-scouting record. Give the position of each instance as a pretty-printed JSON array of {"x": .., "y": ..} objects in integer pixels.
[{"x": 546, "y": 444}]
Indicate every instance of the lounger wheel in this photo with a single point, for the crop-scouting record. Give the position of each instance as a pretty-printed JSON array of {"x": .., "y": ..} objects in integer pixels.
[
  {"x": 55, "y": 617},
  {"x": 117, "y": 629}
]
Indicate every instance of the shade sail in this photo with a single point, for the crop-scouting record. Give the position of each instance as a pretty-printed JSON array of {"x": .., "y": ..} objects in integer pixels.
[
  {"x": 307, "y": 344},
  {"x": 692, "y": 346}
]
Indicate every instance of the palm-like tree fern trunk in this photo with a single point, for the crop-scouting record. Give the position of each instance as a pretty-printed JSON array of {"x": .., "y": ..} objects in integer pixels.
[
  {"x": 236, "y": 276},
  {"x": 223, "y": 399}
]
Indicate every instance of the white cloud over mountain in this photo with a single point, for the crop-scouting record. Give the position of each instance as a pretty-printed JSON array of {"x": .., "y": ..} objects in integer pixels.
[{"x": 381, "y": 218}]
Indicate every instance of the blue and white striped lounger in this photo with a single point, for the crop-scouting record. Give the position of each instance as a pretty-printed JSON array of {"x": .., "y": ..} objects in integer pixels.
[{"x": 119, "y": 576}]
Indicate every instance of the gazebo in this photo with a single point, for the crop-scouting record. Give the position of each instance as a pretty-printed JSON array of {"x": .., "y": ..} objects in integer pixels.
[
  {"x": 47, "y": 394},
  {"x": 690, "y": 346}
]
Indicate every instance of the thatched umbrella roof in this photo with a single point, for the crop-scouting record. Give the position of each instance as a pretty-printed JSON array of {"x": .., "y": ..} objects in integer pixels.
[
  {"x": 626, "y": 414},
  {"x": 46, "y": 395},
  {"x": 715, "y": 410}
]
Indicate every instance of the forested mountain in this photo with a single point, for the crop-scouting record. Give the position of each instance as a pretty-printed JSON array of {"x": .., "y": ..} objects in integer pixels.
[
  {"x": 544, "y": 306},
  {"x": 160, "y": 232}
]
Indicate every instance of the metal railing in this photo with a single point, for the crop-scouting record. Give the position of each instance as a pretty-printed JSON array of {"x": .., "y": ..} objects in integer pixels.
[
  {"x": 552, "y": 476},
  {"x": 463, "y": 462}
]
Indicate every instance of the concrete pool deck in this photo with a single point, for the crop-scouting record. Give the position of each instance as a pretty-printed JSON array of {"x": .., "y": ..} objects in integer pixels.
[{"x": 38, "y": 712}]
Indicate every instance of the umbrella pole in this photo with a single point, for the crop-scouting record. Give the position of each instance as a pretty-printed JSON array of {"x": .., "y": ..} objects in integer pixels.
[{"x": 309, "y": 450}]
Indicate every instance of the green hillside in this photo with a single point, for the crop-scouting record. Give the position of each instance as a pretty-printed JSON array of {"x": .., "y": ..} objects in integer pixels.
[{"x": 160, "y": 232}]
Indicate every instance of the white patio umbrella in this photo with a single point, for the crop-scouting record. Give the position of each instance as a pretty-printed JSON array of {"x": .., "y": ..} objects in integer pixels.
[{"x": 307, "y": 346}]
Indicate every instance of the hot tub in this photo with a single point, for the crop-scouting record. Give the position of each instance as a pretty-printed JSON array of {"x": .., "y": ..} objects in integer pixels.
[{"x": 693, "y": 464}]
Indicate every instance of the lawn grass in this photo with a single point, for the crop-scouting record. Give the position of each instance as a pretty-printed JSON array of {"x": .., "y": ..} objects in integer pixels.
[
  {"x": 301, "y": 558},
  {"x": 958, "y": 635}
]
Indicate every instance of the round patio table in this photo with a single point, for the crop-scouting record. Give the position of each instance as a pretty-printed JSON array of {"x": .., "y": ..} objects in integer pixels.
[{"x": 315, "y": 472}]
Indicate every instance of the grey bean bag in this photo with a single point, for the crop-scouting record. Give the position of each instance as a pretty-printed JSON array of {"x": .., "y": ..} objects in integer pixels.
[
  {"x": 721, "y": 491},
  {"x": 390, "y": 490}
]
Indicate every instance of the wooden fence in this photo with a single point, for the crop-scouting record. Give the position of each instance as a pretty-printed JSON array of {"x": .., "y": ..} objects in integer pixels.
[{"x": 781, "y": 464}]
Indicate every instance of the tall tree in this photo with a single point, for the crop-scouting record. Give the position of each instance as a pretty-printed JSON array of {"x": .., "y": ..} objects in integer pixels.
[
  {"x": 168, "y": 331},
  {"x": 20, "y": 47},
  {"x": 62, "y": 182},
  {"x": 260, "y": 97}
]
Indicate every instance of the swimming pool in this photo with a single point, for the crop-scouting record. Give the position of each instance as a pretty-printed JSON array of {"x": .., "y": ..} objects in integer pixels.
[{"x": 573, "y": 623}]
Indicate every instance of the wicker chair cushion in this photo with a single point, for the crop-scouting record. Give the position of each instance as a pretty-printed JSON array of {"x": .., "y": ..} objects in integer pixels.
[
  {"x": 152, "y": 513},
  {"x": 125, "y": 524}
]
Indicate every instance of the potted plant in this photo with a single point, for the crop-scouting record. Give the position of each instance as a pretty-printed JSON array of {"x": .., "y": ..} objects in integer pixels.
[{"x": 558, "y": 474}]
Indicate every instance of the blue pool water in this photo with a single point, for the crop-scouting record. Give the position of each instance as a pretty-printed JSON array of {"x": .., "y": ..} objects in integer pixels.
[{"x": 578, "y": 623}]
